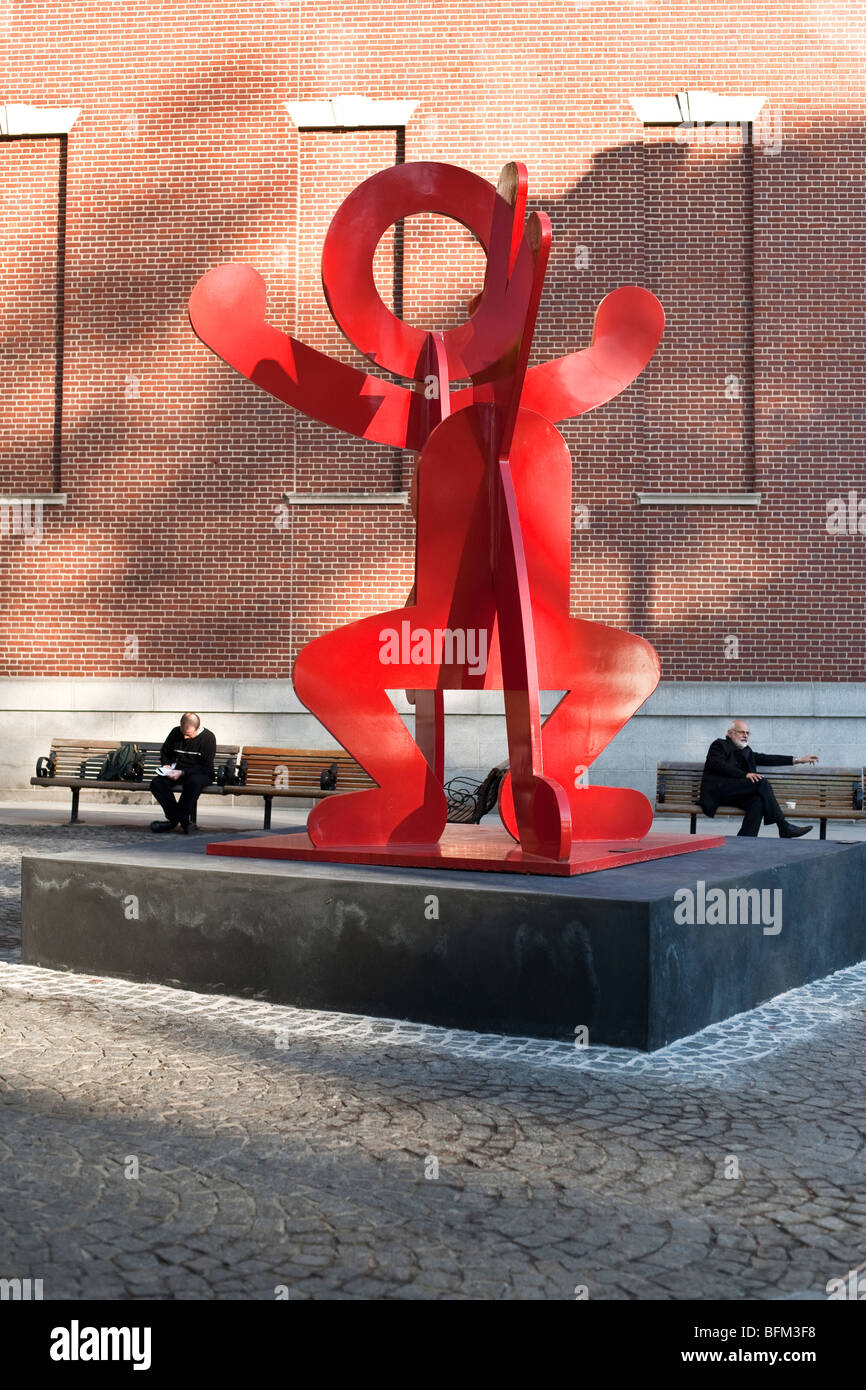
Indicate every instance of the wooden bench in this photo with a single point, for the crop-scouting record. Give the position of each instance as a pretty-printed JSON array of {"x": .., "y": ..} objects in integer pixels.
[
  {"x": 295, "y": 772},
  {"x": 469, "y": 801},
  {"x": 820, "y": 793},
  {"x": 77, "y": 762}
]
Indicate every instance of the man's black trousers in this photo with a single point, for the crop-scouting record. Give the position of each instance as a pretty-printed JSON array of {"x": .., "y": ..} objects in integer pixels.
[
  {"x": 758, "y": 800},
  {"x": 190, "y": 786}
]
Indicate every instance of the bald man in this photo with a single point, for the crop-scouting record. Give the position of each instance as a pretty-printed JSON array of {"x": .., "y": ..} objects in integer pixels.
[{"x": 731, "y": 778}]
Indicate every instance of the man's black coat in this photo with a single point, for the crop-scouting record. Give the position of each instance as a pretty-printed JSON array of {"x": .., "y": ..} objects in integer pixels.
[
  {"x": 188, "y": 754},
  {"x": 727, "y": 764}
]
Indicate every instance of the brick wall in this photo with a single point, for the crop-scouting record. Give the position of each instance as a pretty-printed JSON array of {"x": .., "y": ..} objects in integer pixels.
[{"x": 183, "y": 157}]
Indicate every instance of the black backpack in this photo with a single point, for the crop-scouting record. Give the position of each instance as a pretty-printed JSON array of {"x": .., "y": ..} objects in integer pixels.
[
  {"x": 231, "y": 776},
  {"x": 124, "y": 765},
  {"x": 328, "y": 778}
]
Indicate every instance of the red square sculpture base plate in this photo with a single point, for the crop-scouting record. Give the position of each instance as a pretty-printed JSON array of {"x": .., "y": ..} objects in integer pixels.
[{"x": 471, "y": 847}]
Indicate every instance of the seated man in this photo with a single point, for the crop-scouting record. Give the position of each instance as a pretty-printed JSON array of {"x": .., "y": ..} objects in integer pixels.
[
  {"x": 188, "y": 757},
  {"x": 731, "y": 778}
]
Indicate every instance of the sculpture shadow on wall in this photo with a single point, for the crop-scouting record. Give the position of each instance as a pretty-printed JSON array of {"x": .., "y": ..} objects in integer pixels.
[{"x": 113, "y": 439}]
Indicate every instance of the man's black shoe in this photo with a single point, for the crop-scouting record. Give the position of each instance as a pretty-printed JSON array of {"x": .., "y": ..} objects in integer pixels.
[
  {"x": 159, "y": 827},
  {"x": 787, "y": 831}
]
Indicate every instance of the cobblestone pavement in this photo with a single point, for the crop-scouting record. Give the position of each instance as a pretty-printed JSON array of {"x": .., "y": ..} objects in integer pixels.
[{"x": 156, "y": 1143}]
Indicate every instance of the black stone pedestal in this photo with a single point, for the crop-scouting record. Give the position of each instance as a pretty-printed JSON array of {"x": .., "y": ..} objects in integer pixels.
[{"x": 613, "y": 952}]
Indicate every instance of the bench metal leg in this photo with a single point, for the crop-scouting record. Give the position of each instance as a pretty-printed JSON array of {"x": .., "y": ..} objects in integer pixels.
[
  {"x": 693, "y": 828},
  {"x": 75, "y": 794},
  {"x": 269, "y": 801},
  {"x": 822, "y": 833}
]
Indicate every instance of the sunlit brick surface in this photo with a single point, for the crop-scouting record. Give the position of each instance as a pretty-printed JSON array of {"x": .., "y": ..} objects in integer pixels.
[{"x": 184, "y": 157}]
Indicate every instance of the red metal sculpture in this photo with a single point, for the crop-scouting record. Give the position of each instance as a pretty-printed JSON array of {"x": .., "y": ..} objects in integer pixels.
[{"x": 492, "y": 501}]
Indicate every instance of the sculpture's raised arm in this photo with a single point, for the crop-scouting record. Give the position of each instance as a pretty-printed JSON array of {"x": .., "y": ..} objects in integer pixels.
[
  {"x": 628, "y": 326},
  {"x": 227, "y": 312}
]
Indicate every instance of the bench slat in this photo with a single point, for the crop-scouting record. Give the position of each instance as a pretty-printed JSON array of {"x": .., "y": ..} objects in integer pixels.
[{"x": 296, "y": 771}]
